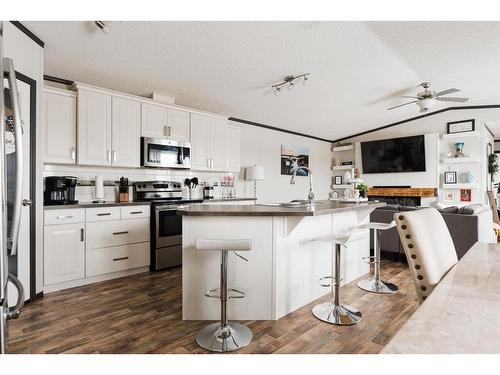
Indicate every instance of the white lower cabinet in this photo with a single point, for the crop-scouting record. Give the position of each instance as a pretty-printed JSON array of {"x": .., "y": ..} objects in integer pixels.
[
  {"x": 117, "y": 258},
  {"x": 82, "y": 246},
  {"x": 64, "y": 253}
]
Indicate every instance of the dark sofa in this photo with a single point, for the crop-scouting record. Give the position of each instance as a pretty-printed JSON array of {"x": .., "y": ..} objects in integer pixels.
[{"x": 463, "y": 229}]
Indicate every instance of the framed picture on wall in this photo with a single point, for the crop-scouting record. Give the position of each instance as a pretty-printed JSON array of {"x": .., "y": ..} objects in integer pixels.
[
  {"x": 463, "y": 126},
  {"x": 465, "y": 195},
  {"x": 449, "y": 197},
  {"x": 450, "y": 177},
  {"x": 338, "y": 180}
]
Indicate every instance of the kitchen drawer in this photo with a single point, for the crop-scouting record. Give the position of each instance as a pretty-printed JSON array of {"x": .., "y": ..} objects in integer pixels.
[
  {"x": 117, "y": 258},
  {"x": 134, "y": 212},
  {"x": 64, "y": 216},
  {"x": 103, "y": 214},
  {"x": 116, "y": 233}
]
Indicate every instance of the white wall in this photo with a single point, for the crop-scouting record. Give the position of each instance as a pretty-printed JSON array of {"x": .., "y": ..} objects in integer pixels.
[
  {"x": 437, "y": 124},
  {"x": 260, "y": 146}
]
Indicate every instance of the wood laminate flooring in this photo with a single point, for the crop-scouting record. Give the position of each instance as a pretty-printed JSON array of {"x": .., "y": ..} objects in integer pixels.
[{"x": 142, "y": 314}]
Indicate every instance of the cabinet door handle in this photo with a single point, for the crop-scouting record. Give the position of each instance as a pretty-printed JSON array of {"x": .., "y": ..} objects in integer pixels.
[
  {"x": 169, "y": 131},
  {"x": 124, "y": 232},
  {"x": 208, "y": 162},
  {"x": 211, "y": 163},
  {"x": 135, "y": 212},
  {"x": 104, "y": 214},
  {"x": 82, "y": 234},
  {"x": 114, "y": 155},
  {"x": 64, "y": 217},
  {"x": 108, "y": 155},
  {"x": 165, "y": 130},
  {"x": 122, "y": 258},
  {"x": 73, "y": 153}
]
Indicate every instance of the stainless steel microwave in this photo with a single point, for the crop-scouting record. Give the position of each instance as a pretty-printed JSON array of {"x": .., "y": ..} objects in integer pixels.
[{"x": 165, "y": 153}]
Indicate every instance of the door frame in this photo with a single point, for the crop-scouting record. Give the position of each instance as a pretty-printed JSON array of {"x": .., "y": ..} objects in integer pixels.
[{"x": 32, "y": 84}]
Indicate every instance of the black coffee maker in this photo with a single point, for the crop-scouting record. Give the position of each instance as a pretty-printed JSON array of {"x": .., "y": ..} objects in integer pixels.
[{"x": 59, "y": 190}]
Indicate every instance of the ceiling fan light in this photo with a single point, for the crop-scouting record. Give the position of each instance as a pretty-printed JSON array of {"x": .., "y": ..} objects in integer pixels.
[{"x": 426, "y": 104}]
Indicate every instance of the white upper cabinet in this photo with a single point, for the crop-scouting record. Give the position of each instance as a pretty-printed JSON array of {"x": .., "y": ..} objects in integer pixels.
[
  {"x": 59, "y": 121},
  {"x": 218, "y": 144},
  {"x": 158, "y": 121},
  {"x": 154, "y": 120},
  {"x": 178, "y": 125},
  {"x": 94, "y": 128},
  {"x": 126, "y": 132},
  {"x": 233, "y": 148},
  {"x": 215, "y": 145},
  {"x": 200, "y": 142}
]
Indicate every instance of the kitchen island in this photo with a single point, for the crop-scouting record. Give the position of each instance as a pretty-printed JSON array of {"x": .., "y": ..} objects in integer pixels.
[{"x": 284, "y": 265}]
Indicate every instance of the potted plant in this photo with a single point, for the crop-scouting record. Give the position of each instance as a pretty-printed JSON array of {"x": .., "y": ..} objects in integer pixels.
[
  {"x": 363, "y": 189},
  {"x": 492, "y": 165}
]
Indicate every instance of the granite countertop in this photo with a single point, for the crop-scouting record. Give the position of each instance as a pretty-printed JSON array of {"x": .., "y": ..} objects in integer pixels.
[
  {"x": 92, "y": 205},
  {"x": 323, "y": 207},
  {"x": 461, "y": 315},
  {"x": 122, "y": 204}
]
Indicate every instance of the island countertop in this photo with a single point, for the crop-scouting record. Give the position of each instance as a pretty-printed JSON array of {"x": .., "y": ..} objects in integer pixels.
[{"x": 322, "y": 208}]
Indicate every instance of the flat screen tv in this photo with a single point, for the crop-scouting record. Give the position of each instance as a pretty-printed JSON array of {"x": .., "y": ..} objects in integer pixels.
[{"x": 394, "y": 155}]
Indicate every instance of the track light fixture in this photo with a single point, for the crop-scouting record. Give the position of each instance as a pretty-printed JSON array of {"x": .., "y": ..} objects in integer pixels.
[
  {"x": 102, "y": 27},
  {"x": 289, "y": 82}
]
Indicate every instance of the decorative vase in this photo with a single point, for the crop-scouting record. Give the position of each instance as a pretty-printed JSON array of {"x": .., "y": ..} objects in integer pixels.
[{"x": 459, "y": 147}]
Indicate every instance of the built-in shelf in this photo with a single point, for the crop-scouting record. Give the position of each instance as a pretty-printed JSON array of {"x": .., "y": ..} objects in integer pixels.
[
  {"x": 460, "y": 186},
  {"x": 460, "y": 135},
  {"x": 342, "y": 167},
  {"x": 343, "y": 148},
  {"x": 464, "y": 160},
  {"x": 343, "y": 186}
]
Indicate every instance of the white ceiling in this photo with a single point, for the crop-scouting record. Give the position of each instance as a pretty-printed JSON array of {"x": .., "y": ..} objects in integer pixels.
[{"x": 358, "y": 69}]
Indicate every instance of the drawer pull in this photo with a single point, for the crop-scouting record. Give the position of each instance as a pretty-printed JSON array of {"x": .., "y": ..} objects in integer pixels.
[
  {"x": 135, "y": 212},
  {"x": 104, "y": 214},
  {"x": 64, "y": 217},
  {"x": 124, "y": 232},
  {"x": 82, "y": 234},
  {"x": 117, "y": 259}
]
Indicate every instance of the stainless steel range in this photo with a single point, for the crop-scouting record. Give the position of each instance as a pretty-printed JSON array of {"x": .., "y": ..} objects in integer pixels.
[{"x": 166, "y": 225}]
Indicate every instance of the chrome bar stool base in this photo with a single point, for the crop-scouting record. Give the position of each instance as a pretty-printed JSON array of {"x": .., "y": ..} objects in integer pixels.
[
  {"x": 377, "y": 286},
  {"x": 342, "y": 315},
  {"x": 216, "y": 338}
]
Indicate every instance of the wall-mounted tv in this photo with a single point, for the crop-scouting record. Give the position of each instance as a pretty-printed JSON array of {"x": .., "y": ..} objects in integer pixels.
[{"x": 394, "y": 155}]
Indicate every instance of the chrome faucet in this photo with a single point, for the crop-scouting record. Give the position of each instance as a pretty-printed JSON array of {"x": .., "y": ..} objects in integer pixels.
[{"x": 310, "y": 196}]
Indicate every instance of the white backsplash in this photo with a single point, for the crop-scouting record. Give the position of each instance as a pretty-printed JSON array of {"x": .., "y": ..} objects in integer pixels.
[{"x": 85, "y": 193}]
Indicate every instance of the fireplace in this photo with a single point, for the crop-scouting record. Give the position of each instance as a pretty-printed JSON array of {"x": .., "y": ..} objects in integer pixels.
[
  {"x": 402, "y": 201},
  {"x": 402, "y": 195}
]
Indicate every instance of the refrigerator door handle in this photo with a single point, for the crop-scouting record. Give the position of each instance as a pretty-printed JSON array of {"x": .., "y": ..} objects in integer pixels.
[
  {"x": 16, "y": 215},
  {"x": 14, "y": 311}
]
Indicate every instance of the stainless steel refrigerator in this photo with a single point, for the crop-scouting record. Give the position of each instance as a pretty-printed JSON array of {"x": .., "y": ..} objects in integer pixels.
[{"x": 10, "y": 213}]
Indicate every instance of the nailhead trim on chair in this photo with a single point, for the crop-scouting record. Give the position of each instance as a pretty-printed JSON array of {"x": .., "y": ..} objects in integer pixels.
[
  {"x": 410, "y": 246},
  {"x": 401, "y": 217},
  {"x": 413, "y": 256},
  {"x": 423, "y": 288},
  {"x": 408, "y": 236},
  {"x": 420, "y": 277},
  {"x": 403, "y": 226},
  {"x": 424, "y": 297},
  {"x": 417, "y": 266}
]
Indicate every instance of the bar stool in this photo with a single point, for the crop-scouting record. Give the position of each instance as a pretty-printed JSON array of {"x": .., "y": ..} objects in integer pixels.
[
  {"x": 375, "y": 284},
  {"x": 334, "y": 312},
  {"x": 224, "y": 336}
]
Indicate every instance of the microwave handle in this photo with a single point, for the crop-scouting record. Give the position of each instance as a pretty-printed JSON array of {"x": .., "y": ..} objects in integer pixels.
[{"x": 8, "y": 65}]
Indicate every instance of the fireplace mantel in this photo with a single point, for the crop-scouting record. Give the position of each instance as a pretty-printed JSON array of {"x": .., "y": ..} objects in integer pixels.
[{"x": 402, "y": 192}]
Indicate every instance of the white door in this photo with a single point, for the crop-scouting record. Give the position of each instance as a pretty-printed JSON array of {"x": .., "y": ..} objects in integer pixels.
[
  {"x": 233, "y": 148},
  {"x": 218, "y": 144},
  {"x": 154, "y": 119},
  {"x": 126, "y": 130},
  {"x": 178, "y": 125},
  {"x": 59, "y": 115},
  {"x": 94, "y": 128},
  {"x": 64, "y": 257},
  {"x": 200, "y": 142}
]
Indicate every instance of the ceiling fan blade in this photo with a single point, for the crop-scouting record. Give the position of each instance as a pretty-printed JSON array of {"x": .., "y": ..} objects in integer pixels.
[
  {"x": 410, "y": 97},
  {"x": 446, "y": 92},
  {"x": 458, "y": 100},
  {"x": 402, "y": 104}
]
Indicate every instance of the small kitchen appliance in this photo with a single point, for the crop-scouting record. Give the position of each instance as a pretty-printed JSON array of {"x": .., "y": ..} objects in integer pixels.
[{"x": 60, "y": 190}]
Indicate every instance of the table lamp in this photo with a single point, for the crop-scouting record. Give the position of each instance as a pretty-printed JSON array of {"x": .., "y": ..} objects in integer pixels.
[{"x": 254, "y": 174}]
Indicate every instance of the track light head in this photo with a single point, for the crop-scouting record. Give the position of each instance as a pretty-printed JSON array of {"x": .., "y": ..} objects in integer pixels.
[{"x": 102, "y": 27}]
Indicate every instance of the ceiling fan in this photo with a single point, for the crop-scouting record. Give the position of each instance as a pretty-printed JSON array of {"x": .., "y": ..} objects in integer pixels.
[{"x": 427, "y": 98}]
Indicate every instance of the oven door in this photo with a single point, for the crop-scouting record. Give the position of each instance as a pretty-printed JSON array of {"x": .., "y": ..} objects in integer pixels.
[
  {"x": 164, "y": 153},
  {"x": 168, "y": 226}
]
